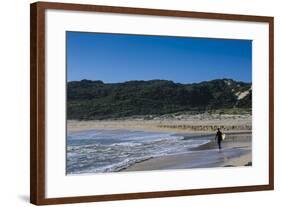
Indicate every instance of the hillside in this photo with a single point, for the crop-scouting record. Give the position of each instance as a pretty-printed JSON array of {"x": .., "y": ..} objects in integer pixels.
[{"x": 90, "y": 100}]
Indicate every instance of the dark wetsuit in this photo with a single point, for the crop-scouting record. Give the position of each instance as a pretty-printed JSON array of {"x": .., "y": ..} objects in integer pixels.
[{"x": 219, "y": 138}]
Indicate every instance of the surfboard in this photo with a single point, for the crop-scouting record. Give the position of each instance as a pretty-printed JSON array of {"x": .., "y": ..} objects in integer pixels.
[{"x": 223, "y": 136}]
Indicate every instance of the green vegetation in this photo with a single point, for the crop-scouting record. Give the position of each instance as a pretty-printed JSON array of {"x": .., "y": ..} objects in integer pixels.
[{"x": 87, "y": 100}]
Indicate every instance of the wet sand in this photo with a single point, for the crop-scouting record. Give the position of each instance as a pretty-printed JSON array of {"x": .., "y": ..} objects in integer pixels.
[{"x": 236, "y": 152}]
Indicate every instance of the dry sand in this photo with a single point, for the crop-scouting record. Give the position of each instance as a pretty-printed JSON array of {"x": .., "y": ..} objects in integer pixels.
[{"x": 194, "y": 123}]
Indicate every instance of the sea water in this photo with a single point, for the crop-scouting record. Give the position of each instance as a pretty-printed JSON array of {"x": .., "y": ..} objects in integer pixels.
[{"x": 95, "y": 151}]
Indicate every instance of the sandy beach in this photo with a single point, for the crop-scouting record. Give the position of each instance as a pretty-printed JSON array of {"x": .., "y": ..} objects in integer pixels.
[
  {"x": 237, "y": 147},
  {"x": 236, "y": 152},
  {"x": 198, "y": 123}
]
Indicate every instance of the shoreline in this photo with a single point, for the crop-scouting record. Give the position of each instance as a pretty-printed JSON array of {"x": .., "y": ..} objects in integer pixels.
[
  {"x": 234, "y": 154},
  {"x": 237, "y": 148}
]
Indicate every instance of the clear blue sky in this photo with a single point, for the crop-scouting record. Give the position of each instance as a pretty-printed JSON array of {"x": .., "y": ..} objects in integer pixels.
[{"x": 119, "y": 57}]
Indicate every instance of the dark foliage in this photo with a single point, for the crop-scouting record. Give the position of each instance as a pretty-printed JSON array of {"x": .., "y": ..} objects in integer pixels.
[{"x": 88, "y": 100}]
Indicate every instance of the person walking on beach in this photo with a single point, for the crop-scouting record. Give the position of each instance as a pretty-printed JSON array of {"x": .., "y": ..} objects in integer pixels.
[{"x": 218, "y": 138}]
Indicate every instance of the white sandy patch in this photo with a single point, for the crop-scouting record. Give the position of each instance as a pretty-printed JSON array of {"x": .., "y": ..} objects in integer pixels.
[{"x": 241, "y": 95}]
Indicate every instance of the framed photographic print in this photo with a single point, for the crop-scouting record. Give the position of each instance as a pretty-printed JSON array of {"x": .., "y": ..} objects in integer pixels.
[{"x": 131, "y": 103}]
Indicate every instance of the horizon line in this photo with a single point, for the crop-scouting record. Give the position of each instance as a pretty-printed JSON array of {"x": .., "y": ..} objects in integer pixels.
[{"x": 160, "y": 80}]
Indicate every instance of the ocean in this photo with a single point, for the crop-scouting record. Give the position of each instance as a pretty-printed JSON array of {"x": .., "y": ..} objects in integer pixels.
[{"x": 98, "y": 151}]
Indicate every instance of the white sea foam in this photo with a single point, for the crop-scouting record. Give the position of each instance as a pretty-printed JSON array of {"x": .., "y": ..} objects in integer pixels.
[{"x": 113, "y": 150}]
